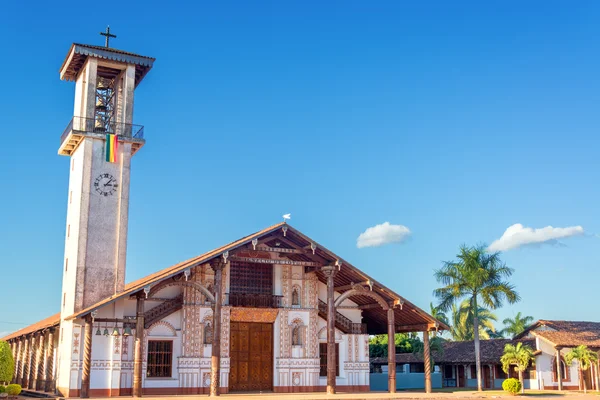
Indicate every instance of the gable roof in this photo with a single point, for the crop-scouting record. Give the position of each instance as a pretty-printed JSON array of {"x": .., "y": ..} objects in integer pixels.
[
  {"x": 409, "y": 318},
  {"x": 565, "y": 333},
  {"x": 461, "y": 352}
]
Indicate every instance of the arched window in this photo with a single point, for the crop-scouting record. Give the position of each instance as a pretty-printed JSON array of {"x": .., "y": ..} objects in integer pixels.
[
  {"x": 208, "y": 333},
  {"x": 564, "y": 370},
  {"x": 296, "y": 296}
]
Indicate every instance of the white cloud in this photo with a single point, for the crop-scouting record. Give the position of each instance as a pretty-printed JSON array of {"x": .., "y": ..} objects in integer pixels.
[
  {"x": 381, "y": 234},
  {"x": 517, "y": 235}
]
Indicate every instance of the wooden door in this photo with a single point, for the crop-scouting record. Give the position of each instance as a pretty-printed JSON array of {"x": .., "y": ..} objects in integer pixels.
[
  {"x": 487, "y": 376},
  {"x": 461, "y": 376},
  {"x": 251, "y": 356}
]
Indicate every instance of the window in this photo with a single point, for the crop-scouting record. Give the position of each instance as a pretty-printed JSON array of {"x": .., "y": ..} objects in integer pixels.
[
  {"x": 248, "y": 278},
  {"x": 70, "y": 196},
  {"x": 64, "y": 299},
  {"x": 500, "y": 374},
  {"x": 323, "y": 354},
  {"x": 448, "y": 371},
  {"x": 160, "y": 358},
  {"x": 66, "y": 264},
  {"x": 473, "y": 372},
  {"x": 68, "y": 230},
  {"x": 417, "y": 368},
  {"x": 563, "y": 369}
]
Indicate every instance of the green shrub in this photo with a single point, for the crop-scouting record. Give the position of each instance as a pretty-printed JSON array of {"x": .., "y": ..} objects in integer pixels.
[
  {"x": 13, "y": 389},
  {"x": 2, "y": 389},
  {"x": 7, "y": 364},
  {"x": 512, "y": 386}
]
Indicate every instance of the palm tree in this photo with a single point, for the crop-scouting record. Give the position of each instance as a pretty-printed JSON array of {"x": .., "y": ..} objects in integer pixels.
[
  {"x": 516, "y": 325},
  {"x": 461, "y": 327},
  {"x": 585, "y": 357},
  {"x": 478, "y": 276},
  {"x": 438, "y": 314},
  {"x": 520, "y": 356}
]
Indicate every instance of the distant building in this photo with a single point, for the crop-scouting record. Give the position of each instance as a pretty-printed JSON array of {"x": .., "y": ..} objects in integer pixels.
[
  {"x": 553, "y": 340},
  {"x": 455, "y": 367}
]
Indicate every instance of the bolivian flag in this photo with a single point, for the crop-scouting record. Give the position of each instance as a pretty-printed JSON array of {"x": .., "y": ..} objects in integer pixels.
[{"x": 112, "y": 145}]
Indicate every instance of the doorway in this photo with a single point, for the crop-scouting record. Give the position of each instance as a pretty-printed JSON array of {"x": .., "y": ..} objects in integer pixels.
[{"x": 251, "y": 354}]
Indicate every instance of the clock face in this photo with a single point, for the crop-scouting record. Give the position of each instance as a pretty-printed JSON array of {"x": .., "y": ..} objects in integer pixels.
[{"x": 106, "y": 185}]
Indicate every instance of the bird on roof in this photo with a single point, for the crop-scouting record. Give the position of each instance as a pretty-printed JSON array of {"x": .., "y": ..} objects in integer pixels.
[{"x": 286, "y": 217}]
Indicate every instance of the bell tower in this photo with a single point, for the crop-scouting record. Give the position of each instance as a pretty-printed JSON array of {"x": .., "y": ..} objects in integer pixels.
[{"x": 100, "y": 141}]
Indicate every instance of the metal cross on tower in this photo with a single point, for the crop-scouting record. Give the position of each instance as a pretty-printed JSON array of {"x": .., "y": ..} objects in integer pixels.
[{"x": 108, "y": 35}]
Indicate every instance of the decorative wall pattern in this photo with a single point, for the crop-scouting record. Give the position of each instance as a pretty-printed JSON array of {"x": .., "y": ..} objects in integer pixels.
[
  {"x": 225, "y": 330},
  {"x": 286, "y": 283},
  {"x": 76, "y": 343},
  {"x": 192, "y": 299},
  {"x": 285, "y": 349},
  {"x": 313, "y": 338},
  {"x": 243, "y": 314},
  {"x": 312, "y": 295}
]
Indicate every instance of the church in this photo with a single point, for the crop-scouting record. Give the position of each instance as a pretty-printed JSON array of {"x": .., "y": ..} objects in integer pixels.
[{"x": 274, "y": 311}]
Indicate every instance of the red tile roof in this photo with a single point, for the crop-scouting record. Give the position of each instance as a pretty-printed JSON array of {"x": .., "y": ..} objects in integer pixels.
[
  {"x": 566, "y": 333},
  {"x": 38, "y": 326},
  {"x": 461, "y": 352}
]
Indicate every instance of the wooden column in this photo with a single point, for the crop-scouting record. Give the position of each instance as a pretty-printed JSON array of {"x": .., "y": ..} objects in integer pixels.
[
  {"x": 50, "y": 362},
  {"x": 598, "y": 376},
  {"x": 23, "y": 365},
  {"x": 18, "y": 364},
  {"x": 427, "y": 361},
  {"x": 14, "y": 348},
  {"x": 215, "y": 359},
  {"x": 39, "y": 363},
  {"x": 87, "y": 359},
  {"x": 391, "y": 351},
  {"x": 138, "y": 347},
  {"x": 32, "y": 366},
  {"x": 330, "y": 272},
  {"x": 559, "y": 369}
]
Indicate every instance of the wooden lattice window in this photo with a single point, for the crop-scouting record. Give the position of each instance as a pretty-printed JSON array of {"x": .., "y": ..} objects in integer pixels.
[
  {"x": 323, "y": 362},
  {"x": 160, "y": 358},
  {"x": 251, "y": 278}
]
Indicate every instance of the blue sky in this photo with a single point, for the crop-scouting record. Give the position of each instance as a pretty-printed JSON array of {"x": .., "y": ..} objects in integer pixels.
[{"x": 454, "y": 120}]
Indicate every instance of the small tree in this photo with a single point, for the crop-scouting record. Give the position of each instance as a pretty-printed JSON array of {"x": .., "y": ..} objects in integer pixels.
[
  {"x": 7, "y": 364},
  {"x": 585, "y": 357},
  {"x": 520, "y": 356}
]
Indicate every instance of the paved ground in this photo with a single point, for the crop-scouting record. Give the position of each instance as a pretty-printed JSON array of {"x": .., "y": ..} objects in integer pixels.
[{"x": 462, "y": 395}]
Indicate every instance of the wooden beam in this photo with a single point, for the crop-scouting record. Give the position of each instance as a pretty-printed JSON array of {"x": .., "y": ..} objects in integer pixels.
[
  {"x": 348, "y": 287},
  {"x": 369, "y": 306},
  {"x": 415, "y": 328},
  {"x": 315, "y": 257},
  {"x": 269, "y": 261}
]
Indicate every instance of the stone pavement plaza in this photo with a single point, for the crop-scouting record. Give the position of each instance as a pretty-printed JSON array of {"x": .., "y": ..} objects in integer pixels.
[{"x": 459, "y": 395}]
